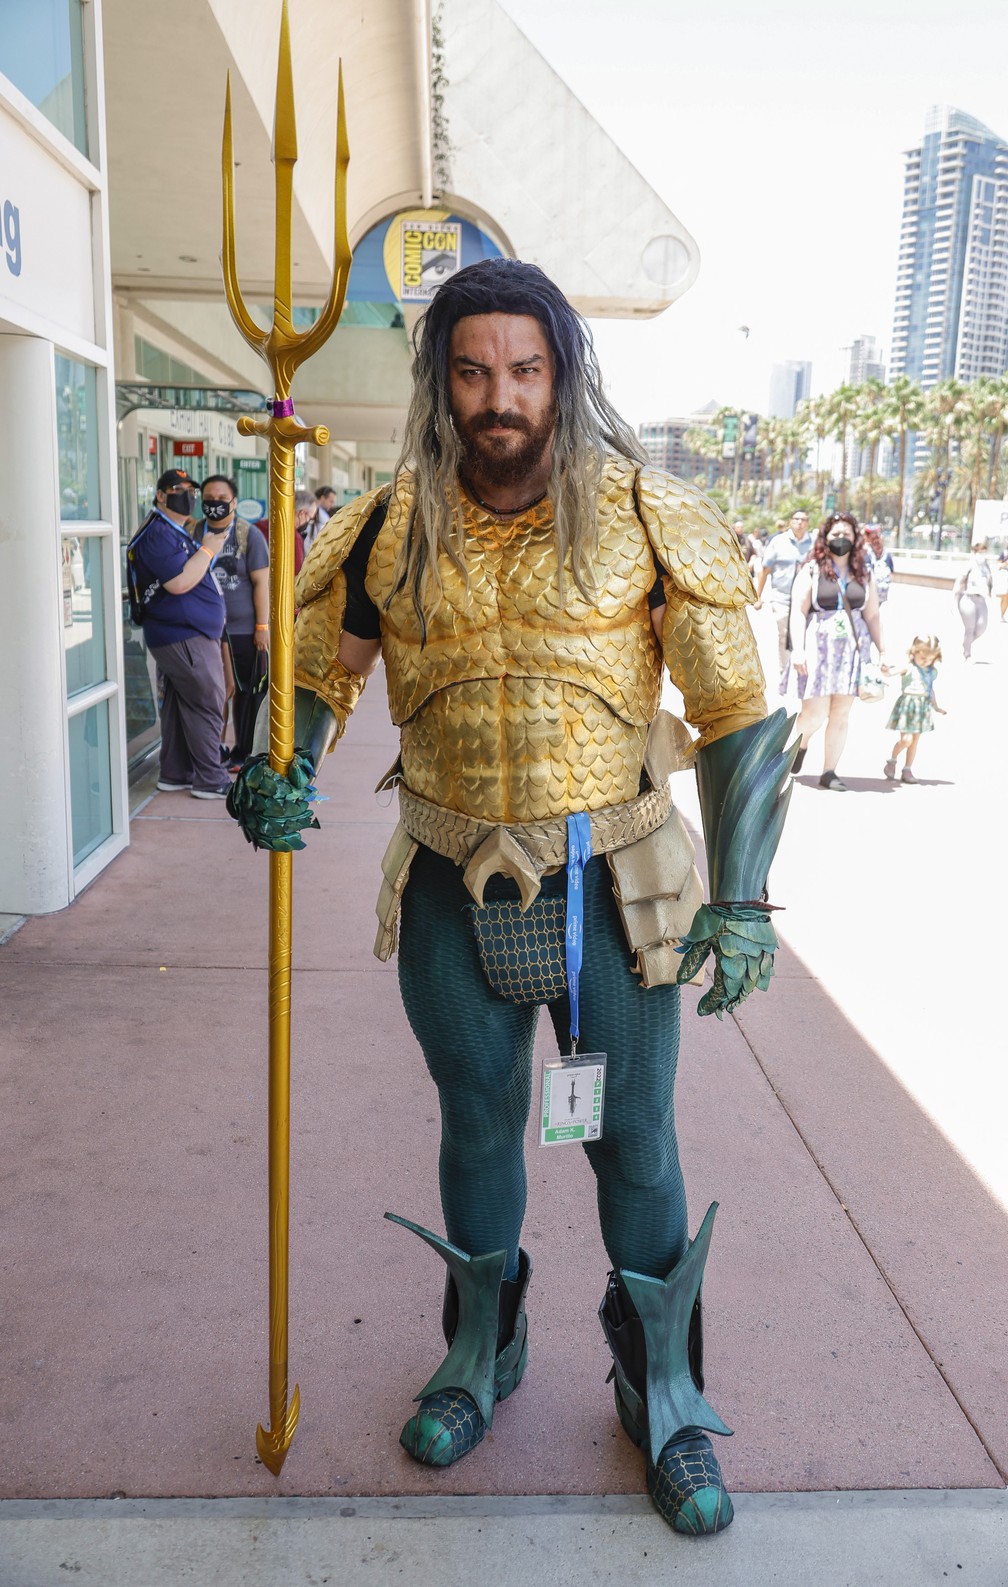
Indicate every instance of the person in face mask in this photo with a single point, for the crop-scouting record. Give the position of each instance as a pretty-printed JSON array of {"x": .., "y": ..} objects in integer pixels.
[
  {"x": 181, "y": 611},
  {"x": 834, "y": 623},
  {"x": 242, "y": 572}
]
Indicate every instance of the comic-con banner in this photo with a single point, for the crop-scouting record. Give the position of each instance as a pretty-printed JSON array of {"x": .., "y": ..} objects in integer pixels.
[
  {"x": 431, "y": 253},
  {"x": 403, "y": 260}
]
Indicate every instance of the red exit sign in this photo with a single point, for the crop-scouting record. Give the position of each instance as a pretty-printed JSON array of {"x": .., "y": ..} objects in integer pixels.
[{"x": 187, "y": 448}]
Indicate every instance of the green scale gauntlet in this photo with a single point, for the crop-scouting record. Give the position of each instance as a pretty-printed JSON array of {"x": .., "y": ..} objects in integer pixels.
[
  {"x": 744, "y": 786},
  {"x": 273, "y": 808}
]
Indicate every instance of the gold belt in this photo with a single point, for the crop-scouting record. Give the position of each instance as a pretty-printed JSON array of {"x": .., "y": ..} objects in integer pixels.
[{"x": 525, "y": 851}]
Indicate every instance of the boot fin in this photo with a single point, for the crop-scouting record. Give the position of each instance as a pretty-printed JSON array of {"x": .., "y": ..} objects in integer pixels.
[
  {"x": 665, "y": 1307},
  {"x": 472, "y": 1353}
]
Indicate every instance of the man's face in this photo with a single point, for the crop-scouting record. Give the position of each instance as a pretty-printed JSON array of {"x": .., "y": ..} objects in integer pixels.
[
  {"x": 328, "y": 500},
  {"x": 500, "y": 384},
  {"x": 216, "y": 495},
  {"x": 799, "y": 525}
]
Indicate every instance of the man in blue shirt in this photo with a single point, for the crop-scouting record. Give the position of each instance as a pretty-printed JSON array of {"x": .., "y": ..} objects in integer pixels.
[
  {"x": 183, "y": 620},
  {"x": 782, "y": 558}
]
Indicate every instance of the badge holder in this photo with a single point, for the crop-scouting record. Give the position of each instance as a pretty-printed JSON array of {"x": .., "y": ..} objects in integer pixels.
[{"x": 573, "y": 1089}]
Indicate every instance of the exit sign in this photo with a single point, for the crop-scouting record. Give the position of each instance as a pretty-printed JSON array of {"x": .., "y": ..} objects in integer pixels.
[{"x": 187, "y": 448}]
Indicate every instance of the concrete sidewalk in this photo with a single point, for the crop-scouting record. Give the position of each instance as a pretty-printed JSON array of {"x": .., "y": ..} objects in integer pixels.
[
  {"x": 856, "y": 1292},
  {"x": 907, "y": 1539}
]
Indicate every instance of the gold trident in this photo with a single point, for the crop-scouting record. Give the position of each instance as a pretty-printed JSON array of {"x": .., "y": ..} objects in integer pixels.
[{"x": 283, "y": 349}]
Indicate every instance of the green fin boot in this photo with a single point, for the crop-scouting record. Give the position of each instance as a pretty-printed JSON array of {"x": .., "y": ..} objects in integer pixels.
[
  {"x": 486, "y": 1331},
  {"x": 653, "y": 1329}
]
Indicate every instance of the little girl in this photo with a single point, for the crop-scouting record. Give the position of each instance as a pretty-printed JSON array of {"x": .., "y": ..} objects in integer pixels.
[{"x": 912, "y": 712}]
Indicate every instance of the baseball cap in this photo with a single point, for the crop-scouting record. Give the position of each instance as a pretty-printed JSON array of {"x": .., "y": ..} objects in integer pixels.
[{"x": 174, "y": 478}]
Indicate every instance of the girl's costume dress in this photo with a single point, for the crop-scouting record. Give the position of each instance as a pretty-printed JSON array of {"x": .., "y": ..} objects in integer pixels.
[{"x": 912, "y": 712}]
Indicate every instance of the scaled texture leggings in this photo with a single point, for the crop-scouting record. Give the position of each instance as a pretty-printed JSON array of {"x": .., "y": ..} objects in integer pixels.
[{"x": 478, "y": 1048}]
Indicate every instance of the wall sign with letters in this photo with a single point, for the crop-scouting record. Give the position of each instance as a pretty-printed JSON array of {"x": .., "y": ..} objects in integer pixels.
[{"x": 10, "y": 220}]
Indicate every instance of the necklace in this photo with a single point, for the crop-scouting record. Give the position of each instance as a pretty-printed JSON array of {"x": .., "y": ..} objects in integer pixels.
[{"x": 502, "y": 512}]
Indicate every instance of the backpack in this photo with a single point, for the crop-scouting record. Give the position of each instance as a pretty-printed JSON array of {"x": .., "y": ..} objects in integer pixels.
[{"x": 139, "y": 598}]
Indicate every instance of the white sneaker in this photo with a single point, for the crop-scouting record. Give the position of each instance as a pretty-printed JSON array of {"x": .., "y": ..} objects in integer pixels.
[
  {"x": 174, "y": 787},
  {"x": 210, "y": 793}
]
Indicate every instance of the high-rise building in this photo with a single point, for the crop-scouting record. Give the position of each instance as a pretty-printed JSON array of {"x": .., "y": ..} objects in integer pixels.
[
  {"x": 865, "y": 364},
  {"x": 951, "y": 315},
  {"x": 664, "y": 440},
  {"x": 865, "y": 361},
  {"x": 790, "y": 383}
]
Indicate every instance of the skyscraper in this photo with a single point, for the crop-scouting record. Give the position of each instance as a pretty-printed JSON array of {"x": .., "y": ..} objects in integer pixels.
[
  {"x": 865, "y": 364},
  {"x": 865, "y": 361},
  {"x": 951, "y": 315},
  {"x": 790, "y": 383}
]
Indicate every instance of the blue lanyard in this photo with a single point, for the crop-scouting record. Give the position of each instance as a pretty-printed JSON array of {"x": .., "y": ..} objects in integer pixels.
[{"x": 579, "y": 850}]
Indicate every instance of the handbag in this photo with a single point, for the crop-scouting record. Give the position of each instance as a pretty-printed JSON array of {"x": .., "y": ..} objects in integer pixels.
[{"x": 871, "y": 685}]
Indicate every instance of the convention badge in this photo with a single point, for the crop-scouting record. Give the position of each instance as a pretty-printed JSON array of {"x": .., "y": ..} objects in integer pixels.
[{"x": 571, "y": 1100}]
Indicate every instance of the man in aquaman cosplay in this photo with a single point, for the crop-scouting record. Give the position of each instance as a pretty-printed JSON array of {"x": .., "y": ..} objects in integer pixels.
[{"x": 523, "y": 578}]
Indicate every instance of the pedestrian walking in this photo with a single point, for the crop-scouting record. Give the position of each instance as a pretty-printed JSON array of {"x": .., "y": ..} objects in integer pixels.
[
  {"x": 783, "y": 556},
  {"x": 883, "y": 566},
  {"x": 971, "y": 592},
  {"x": 834, "y": 621},
  {"x": 912, "y": 714}
]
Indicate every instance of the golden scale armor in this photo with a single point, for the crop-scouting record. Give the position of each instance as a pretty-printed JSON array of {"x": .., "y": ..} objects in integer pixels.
[{"x": 519, "y": 707}]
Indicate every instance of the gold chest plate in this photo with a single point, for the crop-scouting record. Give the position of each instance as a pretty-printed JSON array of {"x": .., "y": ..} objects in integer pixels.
[{"x": 520, "y": 706}]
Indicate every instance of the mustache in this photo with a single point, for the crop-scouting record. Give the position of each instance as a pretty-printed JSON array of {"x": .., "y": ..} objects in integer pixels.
[{"x": 500, "y": 421}]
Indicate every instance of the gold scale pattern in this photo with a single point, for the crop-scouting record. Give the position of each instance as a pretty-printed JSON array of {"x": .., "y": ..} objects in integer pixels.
[{"x": 519, "y": 707}]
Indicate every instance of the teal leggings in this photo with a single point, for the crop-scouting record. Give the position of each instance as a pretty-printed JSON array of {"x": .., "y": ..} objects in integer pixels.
[{"x": 478, "y": 1048}]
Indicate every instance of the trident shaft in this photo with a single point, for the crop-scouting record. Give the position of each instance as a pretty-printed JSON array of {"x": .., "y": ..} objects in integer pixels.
[{"x": 284, "y": 350}]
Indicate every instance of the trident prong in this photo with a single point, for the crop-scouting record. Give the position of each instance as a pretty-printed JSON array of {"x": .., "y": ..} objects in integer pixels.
[{"x": 284, "y": 350}]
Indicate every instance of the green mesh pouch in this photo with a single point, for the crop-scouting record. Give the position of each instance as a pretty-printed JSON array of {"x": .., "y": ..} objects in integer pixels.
[{"x": 522, "y": 951}]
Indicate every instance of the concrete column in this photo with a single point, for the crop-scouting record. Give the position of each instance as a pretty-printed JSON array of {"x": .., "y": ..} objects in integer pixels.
[{"x": 36, "y": 862}]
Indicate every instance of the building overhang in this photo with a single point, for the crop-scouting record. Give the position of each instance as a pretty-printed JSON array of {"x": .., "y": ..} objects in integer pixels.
[{"x": 552, "y": 187}]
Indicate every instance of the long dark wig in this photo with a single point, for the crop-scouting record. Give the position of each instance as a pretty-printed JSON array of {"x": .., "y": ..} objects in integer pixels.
[{"x": 587, "y": 427}]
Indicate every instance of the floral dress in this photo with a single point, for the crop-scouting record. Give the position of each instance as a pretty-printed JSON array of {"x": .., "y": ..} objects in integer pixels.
[
  {"x": 912, "y": 712},
  {"x": 838, "y": 642}
]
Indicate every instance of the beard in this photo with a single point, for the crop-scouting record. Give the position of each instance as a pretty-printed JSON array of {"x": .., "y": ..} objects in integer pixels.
[{"x": 505, "y": 459}]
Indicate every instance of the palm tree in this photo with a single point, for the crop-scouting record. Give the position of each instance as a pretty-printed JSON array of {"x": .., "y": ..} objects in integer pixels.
[
  {"x": 979, "y": 409},
  {"x": 904, "y": 412},
  {"x": 841, "y": 412},
  {"x": 794, "y": 441},
  {"x": 811, "y": 415},
  {"x": 704, "y": 442},
  {"x": 869, "y": 427},
  {"x": 998, "y": 427},
  {"x": 775, "y": 444},
  {"x": 943, "y": 419}
]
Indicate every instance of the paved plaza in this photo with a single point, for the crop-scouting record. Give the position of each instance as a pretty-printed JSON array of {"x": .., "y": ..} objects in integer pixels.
[{"x": 850, "y": 1122}]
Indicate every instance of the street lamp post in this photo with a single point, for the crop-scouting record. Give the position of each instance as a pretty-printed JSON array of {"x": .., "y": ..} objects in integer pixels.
[{"x": 938, "y": 500}]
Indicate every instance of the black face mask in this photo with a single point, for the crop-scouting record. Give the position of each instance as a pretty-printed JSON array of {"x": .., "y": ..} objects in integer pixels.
[
  {"x": 840, "y": 545},
  {"x": 217, "y": 511},
  {"x": 182, "y": 501}
]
